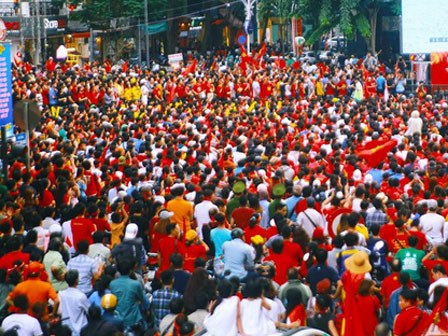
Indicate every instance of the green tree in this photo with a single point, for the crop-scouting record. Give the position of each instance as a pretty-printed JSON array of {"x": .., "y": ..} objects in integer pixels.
[
  {"x": 351, "y": 16},
  {"x": 281, "y": 9}
]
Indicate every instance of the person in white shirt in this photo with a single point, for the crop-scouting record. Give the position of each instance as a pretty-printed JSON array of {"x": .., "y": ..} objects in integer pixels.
[
  {"x": 98, "y": 250},
  {"x": 432, "y": 224},
  {"x": 74, "y": 304},
  {"x": 310, "y": 219},
  {"x": 21, "y": 322},
  {"x": 201, "y": 211}
]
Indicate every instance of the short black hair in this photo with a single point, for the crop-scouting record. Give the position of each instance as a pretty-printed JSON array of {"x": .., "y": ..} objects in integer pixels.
[
  {"x": 167, "y": 277},
  {"x": 170, "y": 227},
  {"x": 176, "y": 305},
  {"x": 413, "y": 241},
  {"x": 98, "y": 236},
  {"x": 409, "y": 294},
  {"x": 21, "y": 302},
  {"x": 351, "y": 239},
  {"x": 277, "y": 245},
  {"x": 321, "y": 256},
  {"x": 83, "y": 246},
  {"x": 71, "y": 277},
  {"x": 177, "y": 260}
]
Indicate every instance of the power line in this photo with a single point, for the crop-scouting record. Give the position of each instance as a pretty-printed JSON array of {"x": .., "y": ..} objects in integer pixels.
[{"x": 228, "y": 4}]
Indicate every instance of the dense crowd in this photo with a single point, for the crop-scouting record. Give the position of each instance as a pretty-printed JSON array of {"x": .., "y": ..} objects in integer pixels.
[{"x": 234, "y": 195}]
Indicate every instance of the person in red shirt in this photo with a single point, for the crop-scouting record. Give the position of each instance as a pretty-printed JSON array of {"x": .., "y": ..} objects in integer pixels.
[
  {"x": 79, "y": 228},
  {"x": 240, "y": 216},
  {"x": 369, "y": 304},
  {"x": 415, "y": 231},
  {"x": 169, "y": 245},
  {"x": 290, "y": 248},
  {"x": 411, "y": 320},
  {"x": 391, "y": 282},
  {"x": 192, "y": 249},
  {"x": 15, "y": 244},
  {"x": 281, "y": 261},
  {"x": 400, "y": 240},
  {"x": 254, "y": 228},
  {"x": 438, "y": 255}
]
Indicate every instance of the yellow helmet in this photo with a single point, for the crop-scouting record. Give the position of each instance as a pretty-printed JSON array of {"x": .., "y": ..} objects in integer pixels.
[{"x": 108, "y": 301}]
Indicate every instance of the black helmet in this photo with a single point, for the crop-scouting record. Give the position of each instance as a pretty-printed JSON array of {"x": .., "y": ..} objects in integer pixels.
[{"x": 237, "y": 233}]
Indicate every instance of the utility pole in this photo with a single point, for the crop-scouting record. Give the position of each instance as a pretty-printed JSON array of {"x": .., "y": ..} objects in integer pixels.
[
  {"x": 146, "y": 34},
  {"x": 38, "y": 50}
]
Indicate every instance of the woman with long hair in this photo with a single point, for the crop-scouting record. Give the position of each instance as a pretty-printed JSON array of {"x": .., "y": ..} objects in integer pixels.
[
  {"x": 254, "y": 309},
  {"x": 295, "y": 315},
  {"x": 223, "y": 319},
  {"x": 195, "y": 284}
]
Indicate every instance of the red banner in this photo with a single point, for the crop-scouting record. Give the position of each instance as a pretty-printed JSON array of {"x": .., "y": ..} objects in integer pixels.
[{"x": 439, "y": 68}]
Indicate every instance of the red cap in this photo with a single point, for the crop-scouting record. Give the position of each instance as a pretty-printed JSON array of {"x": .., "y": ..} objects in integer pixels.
[{"x": 318, "y": 233}]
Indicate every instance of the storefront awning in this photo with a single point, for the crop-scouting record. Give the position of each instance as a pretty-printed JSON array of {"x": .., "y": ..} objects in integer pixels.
[{"x": 155, "y": 28}]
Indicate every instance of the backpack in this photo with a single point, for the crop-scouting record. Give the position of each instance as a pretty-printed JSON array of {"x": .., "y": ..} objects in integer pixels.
[{"x": 128, "y": 250}]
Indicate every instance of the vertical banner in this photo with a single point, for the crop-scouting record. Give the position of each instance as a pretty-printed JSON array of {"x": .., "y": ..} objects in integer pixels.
[
  {"x": 5, "y": 85},
  {"x": 439, "y": 65}
]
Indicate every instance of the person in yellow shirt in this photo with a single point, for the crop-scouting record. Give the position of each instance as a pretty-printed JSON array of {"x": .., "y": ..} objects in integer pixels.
[
  {"x": 136, "y": 91},
  {"x": 182, "y": 209},
  {"x": 127, "y": 94}
]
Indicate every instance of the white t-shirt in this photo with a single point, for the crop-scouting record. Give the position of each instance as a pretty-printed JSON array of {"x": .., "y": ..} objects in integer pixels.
[
  {"x": 433, "y": 224},
  {"x": 223, "y": 320},
  {"x": 26, "y": 325},
  {"x": 201, "y": 213},
  {"x": 254, "y": 319}
]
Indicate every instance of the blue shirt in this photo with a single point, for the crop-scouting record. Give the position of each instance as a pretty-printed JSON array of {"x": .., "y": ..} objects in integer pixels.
[
  {"x": 380, "y": 81},
  {"x": 129, "y": 295},
  {"x": 161, "y": 299},
  {"x": 218, "y": 237},
  {"x": 237, "y": 258},
  {"x": 86, "y": 268}
]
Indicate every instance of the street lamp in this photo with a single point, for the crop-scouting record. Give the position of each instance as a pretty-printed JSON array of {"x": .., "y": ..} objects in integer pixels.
[{"x": 248, "y": 5}]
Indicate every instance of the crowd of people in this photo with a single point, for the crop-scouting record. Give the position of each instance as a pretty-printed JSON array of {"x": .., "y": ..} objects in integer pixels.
[{"x": 234, "y": 195}]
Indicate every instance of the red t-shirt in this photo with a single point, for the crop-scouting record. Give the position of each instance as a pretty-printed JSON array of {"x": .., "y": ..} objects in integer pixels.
[
  {"x": 422, "y": 240},
  {"x": 82, "y": 229},
  {"x": 282, "y": 264},
  {"x": 429, "y": 264},
  {"x": 46, "y": 199},
  {"x": 389, "y": 284},
  {"x": 101, "y": 224},
  {"x": 167, "y": 246},
  {"x": 191, "y": 253},
  {"x": 241, "y": 216},
  {"x": 369, "y": 305},
  {"x": 251, "y": 232},
  {"x": 293, "y": 250},
  {"x": 409, "y": 322},
  {"x": 7, "y": 261}
]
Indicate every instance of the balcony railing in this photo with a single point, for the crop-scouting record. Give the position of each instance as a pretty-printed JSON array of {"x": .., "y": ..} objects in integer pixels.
[{"x": 8, "y": 9}]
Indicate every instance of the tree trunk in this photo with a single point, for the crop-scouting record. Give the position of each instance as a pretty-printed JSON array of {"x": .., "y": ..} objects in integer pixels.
[{"x": 373, "y": 18}]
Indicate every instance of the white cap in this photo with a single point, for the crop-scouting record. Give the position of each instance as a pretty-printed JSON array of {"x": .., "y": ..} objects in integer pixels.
[
  {"x": 165, "y": 214},
  {"x": 131, "y": 231},
  {"x": 178, "y": 185},
  {"x": 55, "y": 228},
  {"x": 159, "y": 199},
  {"x": 357, "y": 175}
]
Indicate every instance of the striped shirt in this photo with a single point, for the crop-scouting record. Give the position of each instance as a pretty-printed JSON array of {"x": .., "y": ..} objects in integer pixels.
[{"x": 86, "y": 268}]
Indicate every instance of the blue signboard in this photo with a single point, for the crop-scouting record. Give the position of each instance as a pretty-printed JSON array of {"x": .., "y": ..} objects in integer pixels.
[{"x": 5, "y": 85}]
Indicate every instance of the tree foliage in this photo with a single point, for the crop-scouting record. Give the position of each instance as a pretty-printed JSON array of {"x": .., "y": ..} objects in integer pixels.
[{"x": 351, "y": 16}]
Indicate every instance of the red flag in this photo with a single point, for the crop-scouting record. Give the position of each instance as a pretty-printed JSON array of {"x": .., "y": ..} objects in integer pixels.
[
  {"x": 261, "y": 52},
  {"x": 437, "y": 316},
  {"x": 125, "y": 67},
  {"x": 191, "y": 68},
  {"x": 375, "y": 155}
]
